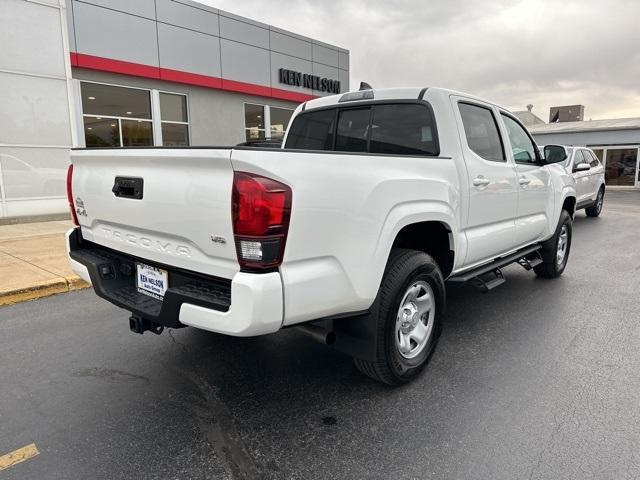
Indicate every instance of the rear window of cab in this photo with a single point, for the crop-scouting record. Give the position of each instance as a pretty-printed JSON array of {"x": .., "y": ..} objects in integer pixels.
[{"x": 389, "y": 128}]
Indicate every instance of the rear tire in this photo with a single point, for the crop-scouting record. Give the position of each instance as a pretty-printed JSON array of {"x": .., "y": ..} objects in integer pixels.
[
  {"x": 595, "y": 209},
  {"x": 408, "y": 315},
  {"x": 555, "y": 251}
]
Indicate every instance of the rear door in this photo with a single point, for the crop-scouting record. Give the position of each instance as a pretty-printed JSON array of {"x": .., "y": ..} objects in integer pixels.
[
  {"x": 491, "y": 175},
  {"x": 595, "y": 173},
  {"x": 534, "y": 183},
  {"x": 170, "y": 206}
]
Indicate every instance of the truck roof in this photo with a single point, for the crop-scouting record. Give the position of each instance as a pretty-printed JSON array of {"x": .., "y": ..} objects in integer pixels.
[{"x": 396, "y": 93}]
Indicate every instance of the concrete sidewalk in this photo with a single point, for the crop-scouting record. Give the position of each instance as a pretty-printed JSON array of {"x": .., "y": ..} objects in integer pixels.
[{"x": 33, "y": 262}]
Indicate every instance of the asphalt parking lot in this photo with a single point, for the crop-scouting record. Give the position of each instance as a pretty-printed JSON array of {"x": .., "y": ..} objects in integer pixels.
[{"x": 536, "y": 379}]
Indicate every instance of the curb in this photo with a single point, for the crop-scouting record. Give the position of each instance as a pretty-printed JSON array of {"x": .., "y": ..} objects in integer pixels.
[{"x": 43, "y": 289}]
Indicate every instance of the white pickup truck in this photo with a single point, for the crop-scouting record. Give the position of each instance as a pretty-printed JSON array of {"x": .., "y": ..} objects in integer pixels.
[{"x": 348, "y": 232}]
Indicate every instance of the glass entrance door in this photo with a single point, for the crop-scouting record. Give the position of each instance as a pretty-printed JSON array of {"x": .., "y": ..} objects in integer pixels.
[{"x": 621, "y": 165}]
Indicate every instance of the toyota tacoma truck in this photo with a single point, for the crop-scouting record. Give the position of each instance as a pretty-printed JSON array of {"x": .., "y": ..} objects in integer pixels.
[{"x": 348, "y": 232}]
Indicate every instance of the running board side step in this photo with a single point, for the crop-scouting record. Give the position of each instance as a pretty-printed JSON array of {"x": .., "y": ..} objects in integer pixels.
[{"x": 488, "y": 276}]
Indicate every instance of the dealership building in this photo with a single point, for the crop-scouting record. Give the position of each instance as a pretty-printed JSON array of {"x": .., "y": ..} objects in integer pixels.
[
  {"x": 615, "y": 142},
  {"x": 117, "y": 73}
]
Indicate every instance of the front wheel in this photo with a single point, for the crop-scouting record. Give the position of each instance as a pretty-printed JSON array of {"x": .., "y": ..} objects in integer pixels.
[
  {"x": 555, "y": 251},
  {"x": 408, "y": 316}
]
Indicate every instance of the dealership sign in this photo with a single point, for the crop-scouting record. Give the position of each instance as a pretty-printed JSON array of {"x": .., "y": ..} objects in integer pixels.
[{"x": 314, "y": 82}]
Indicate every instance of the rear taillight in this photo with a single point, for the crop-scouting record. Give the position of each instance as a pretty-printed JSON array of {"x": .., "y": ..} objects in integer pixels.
[
  {"x": 74, "y": 216},
  {"x": 261, "y": 208}
]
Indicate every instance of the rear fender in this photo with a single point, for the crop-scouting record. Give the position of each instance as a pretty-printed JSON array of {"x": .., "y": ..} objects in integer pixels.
[{"x": 410, "y": 213}]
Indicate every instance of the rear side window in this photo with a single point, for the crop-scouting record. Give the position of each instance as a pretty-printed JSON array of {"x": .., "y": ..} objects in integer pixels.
[
  {"x": 481, "y": 130},
  {"x": 353, "y": 130},
  {"x": 402, "y": 129},
  {"x": 387, "y": 129},
  {"x": 312, "y": 131}
]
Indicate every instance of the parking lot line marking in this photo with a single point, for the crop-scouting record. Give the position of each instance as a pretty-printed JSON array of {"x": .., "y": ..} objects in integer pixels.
[{"x": 17, "y": 456}]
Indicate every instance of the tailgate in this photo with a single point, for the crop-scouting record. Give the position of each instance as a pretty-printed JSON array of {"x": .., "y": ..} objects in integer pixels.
[{"x": 183, "y": 218}]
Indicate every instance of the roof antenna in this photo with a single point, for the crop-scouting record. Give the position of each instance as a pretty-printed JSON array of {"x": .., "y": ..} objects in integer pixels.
[{"x": 365, "y": 86}]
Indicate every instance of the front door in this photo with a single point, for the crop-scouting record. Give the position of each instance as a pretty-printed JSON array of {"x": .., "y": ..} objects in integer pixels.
[
  {"x": 534, "y": 184},
  {"x": 492, "y": 186}
]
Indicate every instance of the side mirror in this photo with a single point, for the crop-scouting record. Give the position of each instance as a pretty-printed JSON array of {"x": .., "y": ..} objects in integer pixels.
[
  {"x": 554, "y": 154},
  {"x": 582, "y": 167}
]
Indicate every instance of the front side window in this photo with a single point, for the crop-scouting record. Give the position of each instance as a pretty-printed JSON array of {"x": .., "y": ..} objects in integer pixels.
[
  {"x": 522, "y": 146},
  {"x": 116, "y": 116},
  {"x": 353, "y": 130},
  {"x": 402, "y": 130},
  {"x": 578, "y": 158},
  {"x": 599, "y": 153},
  {"x": 312, "y": 131},
  {"x": 481, "y": 130},
  {"x": 174, "y": 119},
  {"x": 591, "y": 158}
]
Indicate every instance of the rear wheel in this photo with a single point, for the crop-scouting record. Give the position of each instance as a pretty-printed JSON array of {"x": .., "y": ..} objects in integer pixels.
[
  {"x": 555, "y": 251},
  {"x": 595, "y": 209},
  {"x": 408, "y": 315}
]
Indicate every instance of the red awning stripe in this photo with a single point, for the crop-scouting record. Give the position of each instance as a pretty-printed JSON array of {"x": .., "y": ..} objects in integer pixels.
[{"x": 103, "y": 64}]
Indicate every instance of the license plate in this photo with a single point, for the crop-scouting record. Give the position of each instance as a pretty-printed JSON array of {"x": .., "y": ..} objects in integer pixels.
[{"x": 151, "y": 281}]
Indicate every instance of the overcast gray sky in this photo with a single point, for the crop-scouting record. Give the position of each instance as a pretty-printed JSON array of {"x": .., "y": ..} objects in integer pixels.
[{"x": 544, "y": 52}]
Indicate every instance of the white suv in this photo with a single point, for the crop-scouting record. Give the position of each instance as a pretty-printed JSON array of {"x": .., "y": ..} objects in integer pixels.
[{"x": 588, "y": 172}]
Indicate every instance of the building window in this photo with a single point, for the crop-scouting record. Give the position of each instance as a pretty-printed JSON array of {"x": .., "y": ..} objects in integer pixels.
[
  {"x": 115, "y": 116},
  {"x": 620, "y": 166},
  {"x": 175, "y": 123},
  {"x": 264, "y": 121},
  {"x": 279, "y": 119},
  {"x": 254, "y": 121}
]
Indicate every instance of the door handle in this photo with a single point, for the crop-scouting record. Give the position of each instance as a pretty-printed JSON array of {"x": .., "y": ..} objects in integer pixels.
[
  {"x": 524, "y": 181},
  {"x": 481, "y": 181}
]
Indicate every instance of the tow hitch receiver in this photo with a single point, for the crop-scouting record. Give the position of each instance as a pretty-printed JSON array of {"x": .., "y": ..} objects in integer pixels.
[{"x": 140, "y": 325}]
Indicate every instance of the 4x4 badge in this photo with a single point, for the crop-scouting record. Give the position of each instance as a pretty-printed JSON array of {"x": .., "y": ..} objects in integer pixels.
[{"x": 80, "y": 210}]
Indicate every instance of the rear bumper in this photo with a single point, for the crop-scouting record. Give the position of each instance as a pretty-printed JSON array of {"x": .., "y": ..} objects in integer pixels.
[{"x": 247, "y": 305}]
